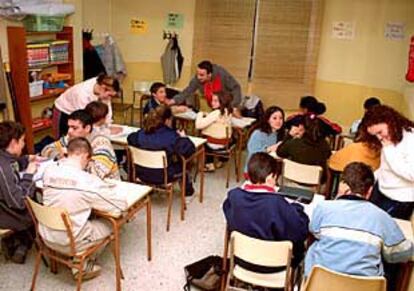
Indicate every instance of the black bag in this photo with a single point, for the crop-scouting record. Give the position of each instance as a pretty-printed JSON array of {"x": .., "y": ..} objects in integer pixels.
[
  {"x": 252, "y": 106},
  {"x": 205, "y": 274}
]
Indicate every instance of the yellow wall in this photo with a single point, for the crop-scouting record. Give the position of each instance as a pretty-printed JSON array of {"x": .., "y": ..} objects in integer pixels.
[
  {"x": 141, "y": 52},
  {"x": 349, "y": 71}
]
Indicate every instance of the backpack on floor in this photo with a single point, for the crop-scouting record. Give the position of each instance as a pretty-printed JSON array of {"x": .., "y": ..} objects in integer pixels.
[
  {"x": 252, "y": 106},
  {"x": 204, "y": 274}
]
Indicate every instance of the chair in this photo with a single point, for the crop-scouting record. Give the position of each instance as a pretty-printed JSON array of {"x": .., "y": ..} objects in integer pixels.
[
  {"x": 301, "y": 174},
  {"x": 58, "y": 219},
  {"x": 122, "y": 107},
  {"x": 152, "y": 160},
  {"x": 272, "y": 254},
  {"x": 323, "y": 279},
  {"x": 140, "y": 89},
  {"x": 220, "y": 135},
  {"x": 142, "y": 102}
]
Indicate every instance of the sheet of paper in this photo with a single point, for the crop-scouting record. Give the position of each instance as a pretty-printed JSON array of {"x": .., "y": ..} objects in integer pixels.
[{"x": 41, "y": 169}]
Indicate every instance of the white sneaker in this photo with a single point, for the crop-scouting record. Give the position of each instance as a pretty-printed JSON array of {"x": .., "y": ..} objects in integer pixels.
[
  {"x": 189, "y": 199},
  {"x": 90, "y": 271}
]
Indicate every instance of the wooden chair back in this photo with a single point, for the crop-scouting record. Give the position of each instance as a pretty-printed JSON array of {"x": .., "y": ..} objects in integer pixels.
[
  {"x": 301, "y": 173},
  {"x": 272, "y": 254},
  {"x": 323, "y": 279}
]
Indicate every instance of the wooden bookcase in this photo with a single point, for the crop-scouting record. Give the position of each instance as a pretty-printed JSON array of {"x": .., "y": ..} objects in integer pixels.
[{"x": 18, "y": 38}]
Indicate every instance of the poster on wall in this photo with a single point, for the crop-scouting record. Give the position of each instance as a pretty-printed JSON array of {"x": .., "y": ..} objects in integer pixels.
[
  {"x": 343, "y": 30},
  {"x": 175, "y": 20},
  {"x": 138, "y": 26},
  {"x": 394, "y": 30}
]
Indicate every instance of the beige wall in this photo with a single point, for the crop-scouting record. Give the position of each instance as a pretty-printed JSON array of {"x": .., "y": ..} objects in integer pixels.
[
  {"x": 141, "y": 52},
  {"x": 349, "y": 71}
]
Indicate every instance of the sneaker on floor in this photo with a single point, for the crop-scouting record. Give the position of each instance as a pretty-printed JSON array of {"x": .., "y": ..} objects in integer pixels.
[
  {"x": 189, "y": 199},
  {"x": 219, "y": 165},
  {"x": 209, "y": 167},
  {"x": 19, "y": 256},
  {"x": 91, "y": 271}
]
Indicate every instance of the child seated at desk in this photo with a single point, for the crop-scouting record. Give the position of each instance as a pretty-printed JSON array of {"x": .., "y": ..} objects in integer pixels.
[
  {"x": 256, "y": 210},
  {"x": 310, "y": 149},
  {"x": 158, "y": 97},
  {"x": 16, "y": 183},
  {"x": 269, "y": 134},
  {"x": 103, "y": 162},
  {"x": 218, "y": 120},
  {"x": 157, "y": 135},
  {"x": 69, "y": 186},
  {"x": 99, "y": 112},
  {"x": 352, "y": 234}
]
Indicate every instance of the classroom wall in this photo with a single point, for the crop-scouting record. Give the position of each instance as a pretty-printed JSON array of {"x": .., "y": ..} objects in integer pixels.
[
  {"x": 349, "y": 71},
  {"x": 141, "y": 52}
]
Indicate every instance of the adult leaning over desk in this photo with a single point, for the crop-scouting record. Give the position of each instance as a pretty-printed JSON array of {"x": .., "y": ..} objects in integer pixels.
[
  {"x": 393, "y": 133},
  {"x": 102, "y": 87},
  {"x": 208, "y": 79}
]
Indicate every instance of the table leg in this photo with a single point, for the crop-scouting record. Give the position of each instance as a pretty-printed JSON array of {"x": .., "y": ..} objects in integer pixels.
[
  {"x": 183, "y": 189},
  {"x": 201, "y": 160},
  {"x": 117, "y": 255},
  {"x": 149, "y": 243}
]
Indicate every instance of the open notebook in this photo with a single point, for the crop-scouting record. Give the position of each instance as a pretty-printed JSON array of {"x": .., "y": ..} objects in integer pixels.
[{"x": 297, "y": 194}]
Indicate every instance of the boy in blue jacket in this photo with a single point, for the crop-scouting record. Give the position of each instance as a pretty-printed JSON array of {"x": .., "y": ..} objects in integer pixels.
[{"x": 256, "y": 210}]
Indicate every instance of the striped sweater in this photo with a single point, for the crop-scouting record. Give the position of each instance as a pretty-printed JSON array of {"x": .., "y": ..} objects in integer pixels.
[{"x": 103, "y": 162}]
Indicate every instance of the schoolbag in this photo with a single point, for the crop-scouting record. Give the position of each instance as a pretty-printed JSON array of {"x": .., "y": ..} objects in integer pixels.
[
  {"x": 204, "y": 274},
  {"x": 252, "y": 106}
]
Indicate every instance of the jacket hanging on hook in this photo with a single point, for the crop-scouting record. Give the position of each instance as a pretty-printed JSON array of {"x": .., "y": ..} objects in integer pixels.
[{"x": 172, "y": 61}]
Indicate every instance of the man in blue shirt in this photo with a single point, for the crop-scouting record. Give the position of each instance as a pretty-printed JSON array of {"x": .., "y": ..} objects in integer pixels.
[{"x": 352, "y": 234}]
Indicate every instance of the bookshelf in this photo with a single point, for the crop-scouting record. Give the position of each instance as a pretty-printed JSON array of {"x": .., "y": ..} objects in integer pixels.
[{"x": 18, "y": 39}]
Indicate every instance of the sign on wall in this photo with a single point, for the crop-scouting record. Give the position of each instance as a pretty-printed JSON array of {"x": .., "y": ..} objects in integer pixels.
[
  {"x": 175, "y": 20},
  {"x": 138, "y": 26},
  {"x": 394, "y": 30},
  {"x": 343, "y": 30}
]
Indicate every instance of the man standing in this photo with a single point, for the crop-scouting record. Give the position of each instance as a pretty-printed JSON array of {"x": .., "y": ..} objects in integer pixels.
[{"x": 209, "y": 78}]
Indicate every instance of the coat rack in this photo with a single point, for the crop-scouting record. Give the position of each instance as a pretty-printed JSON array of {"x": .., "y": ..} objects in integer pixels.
[{"x": 169, "y": 34}]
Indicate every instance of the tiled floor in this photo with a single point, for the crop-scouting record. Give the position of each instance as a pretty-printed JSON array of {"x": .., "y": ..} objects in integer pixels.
[{"x": 201, "y": 234}]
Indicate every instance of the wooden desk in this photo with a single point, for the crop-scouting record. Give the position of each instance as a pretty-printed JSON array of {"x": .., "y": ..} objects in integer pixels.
[
  {"x": 137, "y": 197},
  {"x": 406, "y": 271},
  {"x": 121, "y": 139},
  {"x": 200, "y": 155}
]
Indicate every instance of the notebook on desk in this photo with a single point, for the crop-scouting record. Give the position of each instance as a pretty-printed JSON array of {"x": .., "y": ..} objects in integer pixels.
[{"x": 298, "y": 194}]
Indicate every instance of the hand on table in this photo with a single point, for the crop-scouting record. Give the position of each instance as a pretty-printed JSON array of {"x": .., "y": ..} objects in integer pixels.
[
  {"x": 236, "y": 113},
  {"x": 115, "y": 129},
  {"x": 181, "y": 108}
]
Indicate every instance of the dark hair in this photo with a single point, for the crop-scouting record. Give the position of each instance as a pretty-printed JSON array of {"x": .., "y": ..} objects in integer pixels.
[
  {"x": 10, "y": 130},
  {"x": 97, "y": 110},
  {"x": 156, "y": 86},
  {"x": 371, "y": 101},
  {"x": 225, "y": 99},
  {"x": 79, "y": 145},
  {"x": 313, "y": 128},
  {"x": 206, "y": 65},
  {"x": 264, "y": 122},
  {"x": 156, "y": 118},
  {"x": 83, "y": 116},
  {"x": 359, "y": 177},
  {"x": 260, "y": 166},
  {"x": 108, "y": 81},
  {"x": 312, "y": 105},
  {"x": 396, "y": 122}
]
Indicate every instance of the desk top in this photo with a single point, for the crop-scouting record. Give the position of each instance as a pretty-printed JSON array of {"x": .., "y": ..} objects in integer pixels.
[
  {"x": 131, "y": 191},
  {"x": 236, "y": 122},
  {"x": 121, "y": 138}
]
